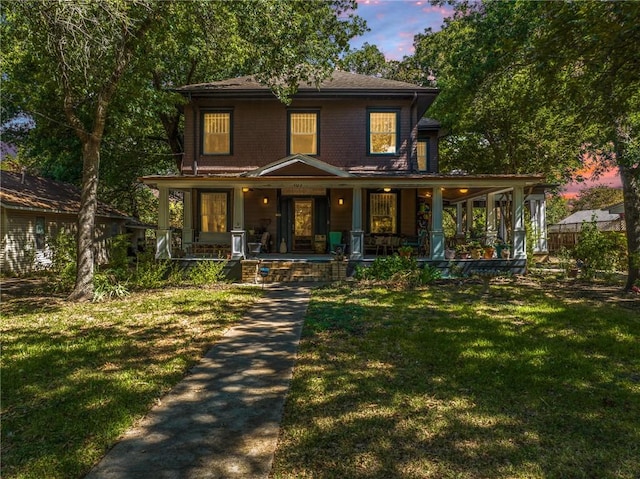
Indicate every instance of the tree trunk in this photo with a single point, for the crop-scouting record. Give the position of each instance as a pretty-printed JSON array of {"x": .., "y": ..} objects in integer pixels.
[
  {"x": 83, "y": 290},
  {"x": 631, "y": 189}
]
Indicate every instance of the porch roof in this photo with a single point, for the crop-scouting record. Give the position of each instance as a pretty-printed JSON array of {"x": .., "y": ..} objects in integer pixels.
[{"x": 454, "y": 186}]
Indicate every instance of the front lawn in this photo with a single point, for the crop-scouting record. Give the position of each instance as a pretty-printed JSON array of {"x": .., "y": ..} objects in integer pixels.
[
  {"x": 535, "y": 381},
  {"x": 76, "y": 376}
]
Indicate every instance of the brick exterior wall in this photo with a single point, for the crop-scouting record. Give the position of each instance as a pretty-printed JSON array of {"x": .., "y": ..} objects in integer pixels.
[{"x": 259, "y": 135}]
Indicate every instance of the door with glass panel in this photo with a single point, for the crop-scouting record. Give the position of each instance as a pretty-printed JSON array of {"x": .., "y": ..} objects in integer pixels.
[{"x": 302, "y": 225}]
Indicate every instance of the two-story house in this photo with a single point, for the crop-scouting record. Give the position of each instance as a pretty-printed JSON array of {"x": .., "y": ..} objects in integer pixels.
[{"x": 352, "y": 162}]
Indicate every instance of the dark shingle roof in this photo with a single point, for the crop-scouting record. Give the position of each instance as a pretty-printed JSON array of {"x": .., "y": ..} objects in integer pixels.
[
  {"x": 340, "y": 81},
  {"x": 42, "y": 194}
]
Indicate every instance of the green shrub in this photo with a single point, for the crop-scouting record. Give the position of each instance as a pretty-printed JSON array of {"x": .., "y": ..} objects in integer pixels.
[
  {"x": 150, "y": 273},
  {"x": 399, "y": 270},
  {"x": 117, "y": 251},
  {"x": 596, "y": 251},
  {"x": 107, "y": 286},
  {"x": 429, "y": 274},
  {"x": 207, "y": 272},
  {"x": 63, "y": 260}
]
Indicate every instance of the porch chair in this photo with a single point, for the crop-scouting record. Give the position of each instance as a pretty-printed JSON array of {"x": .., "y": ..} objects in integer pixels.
[
  {"x": 335, "y": 239},
  {"x": 265, "y": 239}
]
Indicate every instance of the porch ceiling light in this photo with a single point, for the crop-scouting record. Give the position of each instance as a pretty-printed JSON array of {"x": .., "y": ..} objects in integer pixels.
[
  {"x": 386, "y": 189},
  {"x": 245, "y": 189},
  {"x": 464, "y": 190},
  {"x": 265, "y": 200}
]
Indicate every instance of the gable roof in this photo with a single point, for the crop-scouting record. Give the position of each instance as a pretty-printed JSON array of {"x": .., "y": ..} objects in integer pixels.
[
  {"x": 297, "y": 165},
  {"x": 34, "y": 193}
]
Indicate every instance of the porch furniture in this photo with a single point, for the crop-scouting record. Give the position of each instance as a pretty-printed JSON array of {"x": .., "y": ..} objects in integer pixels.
[
  {"x": 382, "y": 244},
  {"x": 335, "y": 238}
]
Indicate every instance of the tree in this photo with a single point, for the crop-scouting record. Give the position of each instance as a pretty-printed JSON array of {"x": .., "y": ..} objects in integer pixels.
[
  {"x": 557, "y": 208},
  {"x": 523, "y": 92},
  {"x": 597, "y": 197},
  {"x": 82, "y": 63},
  {"x": 369, "y": 60}
]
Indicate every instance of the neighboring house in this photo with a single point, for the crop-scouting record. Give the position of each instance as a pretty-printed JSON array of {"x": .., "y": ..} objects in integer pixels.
[
  {"x": 35, "y": 210},
  {"x": 351, "y": 162},
  {"x": 566, "y": 232}
]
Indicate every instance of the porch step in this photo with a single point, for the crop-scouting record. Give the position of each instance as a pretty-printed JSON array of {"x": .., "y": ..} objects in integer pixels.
[{"x": 293, "y": 271}]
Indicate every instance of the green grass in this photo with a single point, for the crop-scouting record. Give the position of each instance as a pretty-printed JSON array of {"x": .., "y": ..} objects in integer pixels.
[
  {"x": 76, "y": 376},
  {"x": 531, "y": 381}
]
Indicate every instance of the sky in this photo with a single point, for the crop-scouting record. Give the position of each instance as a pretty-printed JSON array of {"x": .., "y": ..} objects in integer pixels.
[{"x": 393, "y": 24}]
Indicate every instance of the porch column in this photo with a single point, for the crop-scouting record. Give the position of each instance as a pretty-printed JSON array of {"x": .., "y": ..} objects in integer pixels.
[
  {"x": 187, "y": 221},
  {"x": 469, "y": 215},
  {"x": 491, "y": 232},
  {"x": 538, "y": 207},
  {"x": 459, "y": 226},
  {"x": 163, "y": 236},
  {"x": 238, "y": 234},
  {"x": 357, "y": 234},
  {"x": 519, "y": 233},
  {"x": 437, "y": 235}
]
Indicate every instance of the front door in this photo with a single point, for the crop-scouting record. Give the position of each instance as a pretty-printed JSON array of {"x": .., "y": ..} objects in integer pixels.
[{"x": 303, "y": 225}]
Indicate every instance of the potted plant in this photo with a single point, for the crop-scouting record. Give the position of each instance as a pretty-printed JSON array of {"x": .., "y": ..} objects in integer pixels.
[
  {"x": 405, "y": 251},
  {"x": 475, "y": 248},
  {"x": 462, "y": 251},
  {"x": 489, "y": 248},
  {"x": 505, "y": 253}
]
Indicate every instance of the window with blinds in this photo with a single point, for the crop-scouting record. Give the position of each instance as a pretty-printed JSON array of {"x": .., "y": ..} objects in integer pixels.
[
  {"x": 303, "y": 133},
  {"x": 383, "y": 132},
  {"x": 216, "y": 133},
  {"x": 213, "y": 212},
  {"x": 422, "y": 153},
  {"x": 383, "y": 212}
]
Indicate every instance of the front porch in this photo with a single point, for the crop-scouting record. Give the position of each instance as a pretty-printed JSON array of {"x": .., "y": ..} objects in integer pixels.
[{"x": 302, "y": 207}]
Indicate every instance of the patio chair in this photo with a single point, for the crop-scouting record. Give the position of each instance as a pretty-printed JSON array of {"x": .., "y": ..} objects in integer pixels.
[{"x": 335, "y": 238}]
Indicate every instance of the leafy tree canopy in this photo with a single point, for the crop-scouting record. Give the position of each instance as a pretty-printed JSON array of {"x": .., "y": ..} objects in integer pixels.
[{"x": 597, "y": 197}]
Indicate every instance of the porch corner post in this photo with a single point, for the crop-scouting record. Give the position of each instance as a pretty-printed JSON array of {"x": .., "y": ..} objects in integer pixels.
[
  {"x": 538, "y": 207},
  {"x": 469, "y": 219},
  {"x": 491, "y": 231},
  {"x": 357, "y": 234},
  {"x": 163, "y": 237},
  {"x": 519, "y": 232},
  {"x": 238, "y": 234},
  {"x": 459, "y": 226},
  {"x": 187, "y": 221},
  {"x": 437, "y": 234}
]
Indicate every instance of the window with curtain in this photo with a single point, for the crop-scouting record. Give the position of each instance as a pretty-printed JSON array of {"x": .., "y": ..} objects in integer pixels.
[
  {"x": 383, "y": 132},
  {"x": 216, "y": 133},
  {"x": 39, "y": 231},
  {"x": 383, "y": 213},
  {"x": 303, "y": 133},
  {"x": 213, "y": 212},
  {"x": 422, "y": 153}
]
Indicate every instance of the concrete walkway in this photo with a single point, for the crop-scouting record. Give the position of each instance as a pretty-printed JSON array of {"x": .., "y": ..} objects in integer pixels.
[{"x": 222, "y": 420}]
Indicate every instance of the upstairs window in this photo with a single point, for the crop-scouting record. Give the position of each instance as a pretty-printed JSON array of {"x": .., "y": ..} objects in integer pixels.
[
  {"x": 216, "y": 133},
  {"x": 423, "y": 155},
  {"x": 303, "y": 133},
  {"x": 383, "y": 132},
  {"x": 213, "y": 212}
]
